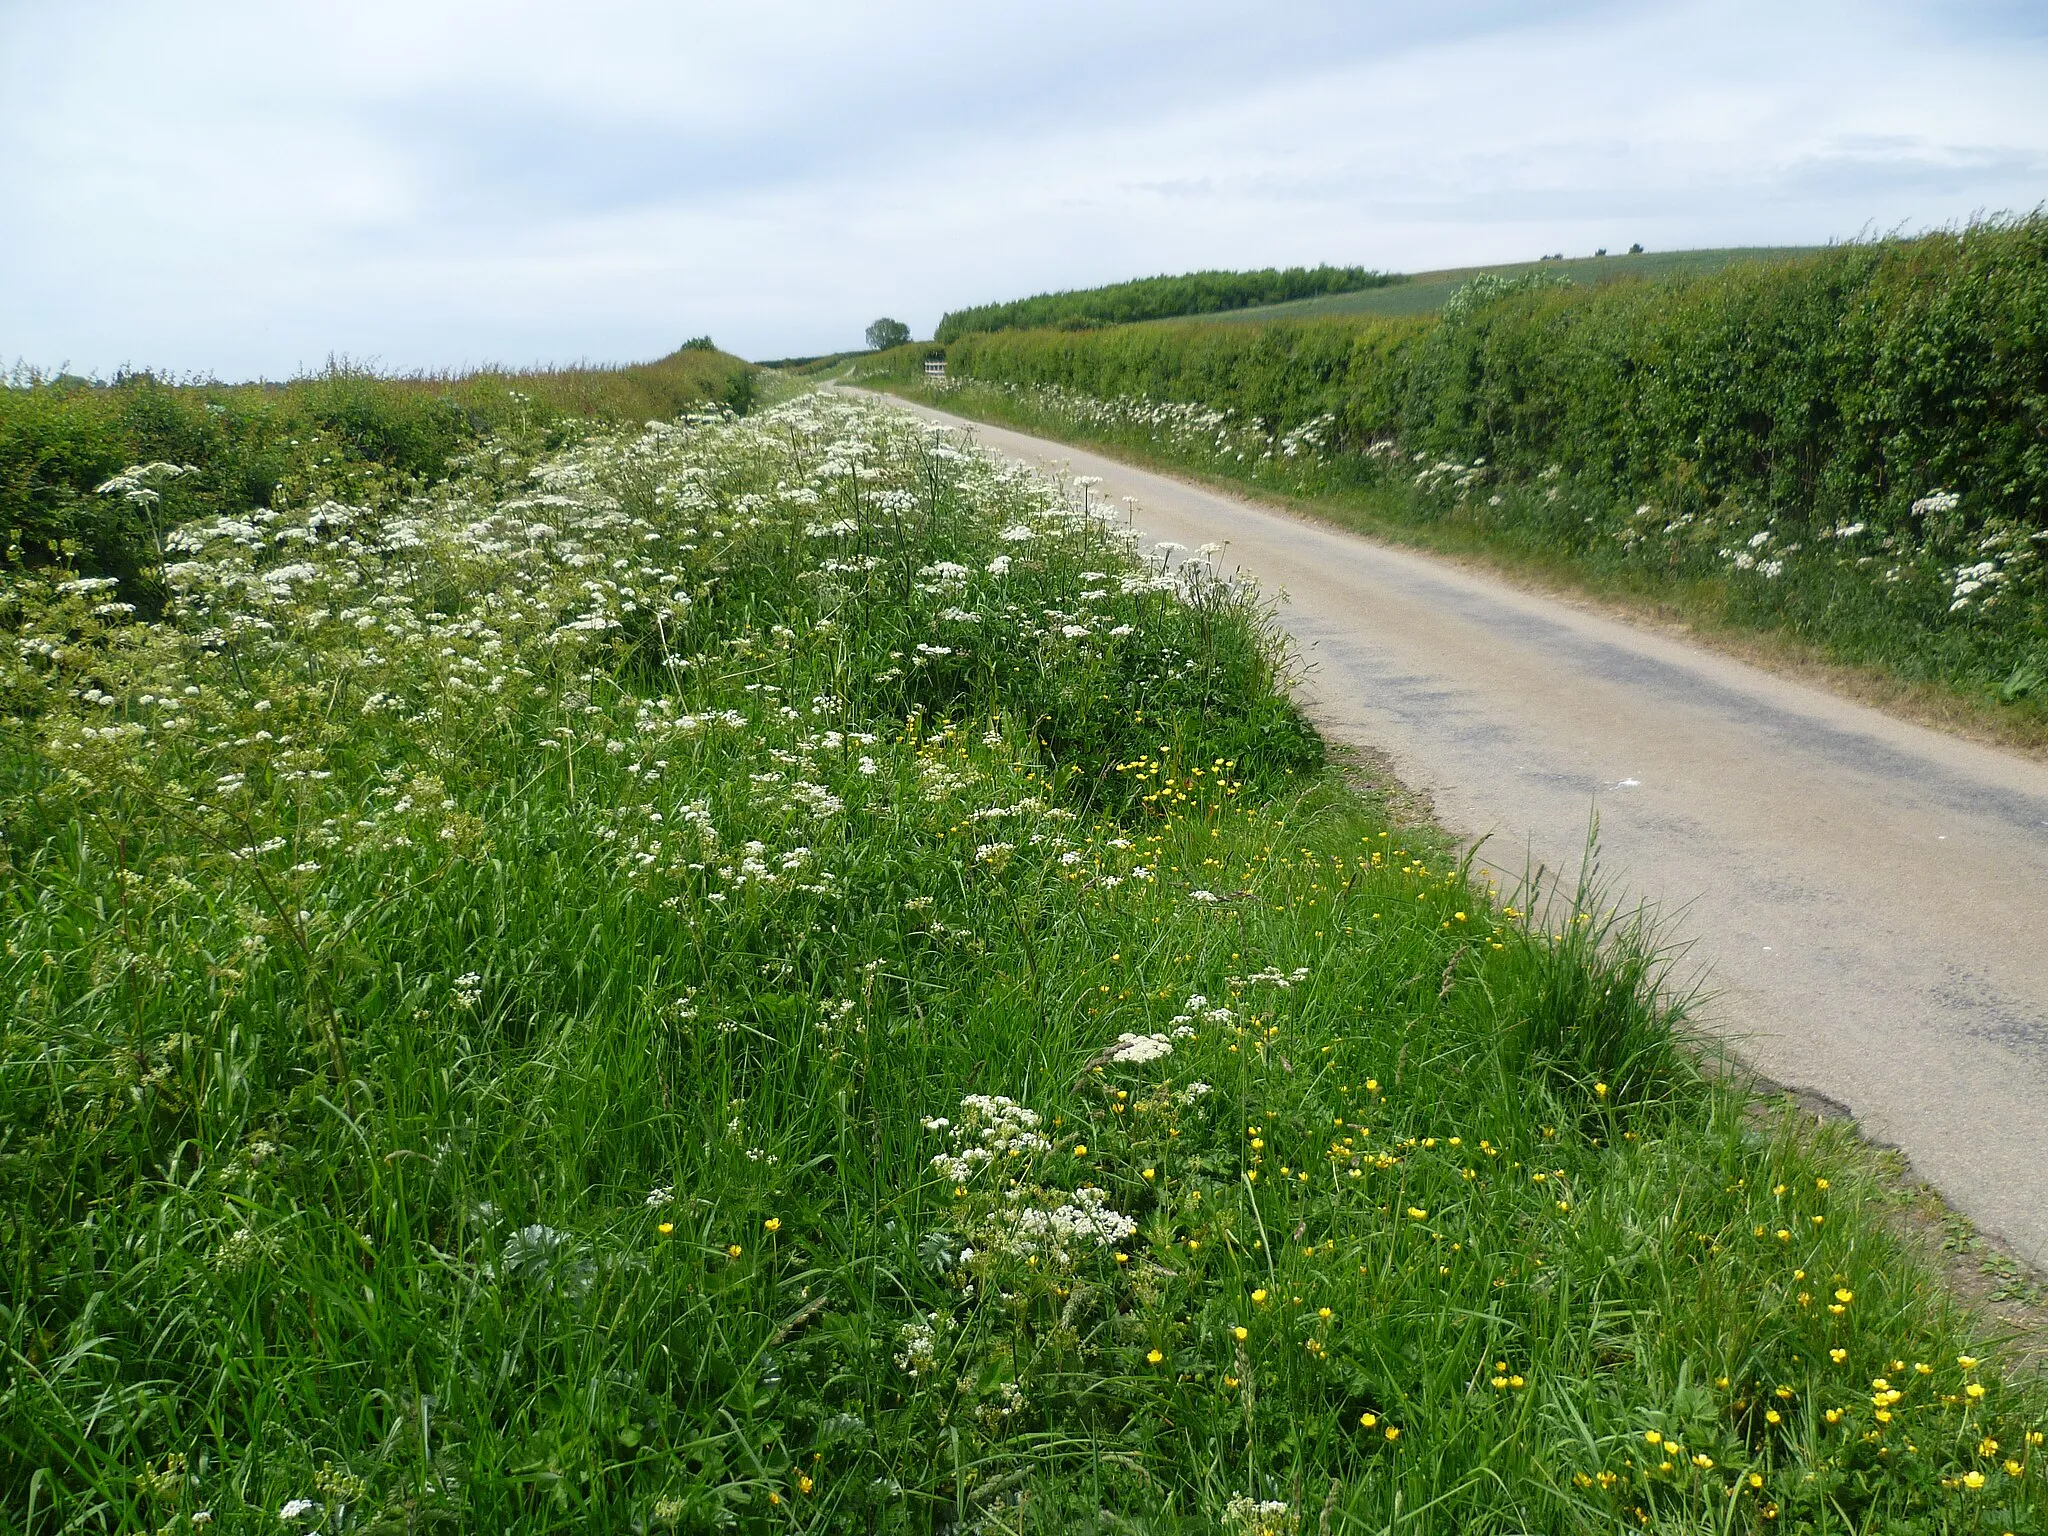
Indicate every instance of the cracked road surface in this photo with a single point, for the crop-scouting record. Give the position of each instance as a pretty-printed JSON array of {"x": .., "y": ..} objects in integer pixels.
[{"x": 1867, "y": 899}]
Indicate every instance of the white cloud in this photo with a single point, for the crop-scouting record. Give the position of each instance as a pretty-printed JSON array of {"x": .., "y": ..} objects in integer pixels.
[{"x": 243, "y": 187}]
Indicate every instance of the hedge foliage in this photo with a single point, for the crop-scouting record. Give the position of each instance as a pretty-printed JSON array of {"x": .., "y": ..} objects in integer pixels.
[
  {"x": 1156, "y": 298},
  {"x": 61, "y": 439},
  {"x": 1841, "y": 387}
]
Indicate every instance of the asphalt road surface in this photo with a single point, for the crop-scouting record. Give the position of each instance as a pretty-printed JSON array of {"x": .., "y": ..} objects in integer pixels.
[{"x": 1868, "y": 898}]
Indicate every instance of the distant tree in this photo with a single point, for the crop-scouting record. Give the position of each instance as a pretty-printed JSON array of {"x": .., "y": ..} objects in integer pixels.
[
  {"x": 886, "y": 333},
  {"x": 700, "y": 344},
  {"x": 1636, "y": 249}
]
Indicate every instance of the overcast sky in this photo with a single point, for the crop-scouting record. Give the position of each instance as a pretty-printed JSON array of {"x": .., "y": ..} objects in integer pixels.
[{"x": 242, "y": 188}]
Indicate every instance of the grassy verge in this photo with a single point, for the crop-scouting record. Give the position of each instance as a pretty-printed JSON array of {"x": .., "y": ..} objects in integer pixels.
[
  {"x": 1821, "y": 622},
  {"x": 770, "y": 975}
]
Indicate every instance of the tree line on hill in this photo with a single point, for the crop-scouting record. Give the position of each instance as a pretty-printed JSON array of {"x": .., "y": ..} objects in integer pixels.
[{"x": 1159, "y": 298}]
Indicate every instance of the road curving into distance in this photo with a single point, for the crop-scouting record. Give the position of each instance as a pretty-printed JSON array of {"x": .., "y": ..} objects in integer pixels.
[{"x": 1866, "y": 899}]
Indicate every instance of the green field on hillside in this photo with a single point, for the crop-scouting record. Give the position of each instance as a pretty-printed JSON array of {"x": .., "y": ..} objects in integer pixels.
[
  {"x": 1423, "y": 293},
  {"x": 773, "y": 974}
]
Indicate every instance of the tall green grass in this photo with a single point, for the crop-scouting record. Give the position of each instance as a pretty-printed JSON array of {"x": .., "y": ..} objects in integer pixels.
[{"x": 772, "y": 975}]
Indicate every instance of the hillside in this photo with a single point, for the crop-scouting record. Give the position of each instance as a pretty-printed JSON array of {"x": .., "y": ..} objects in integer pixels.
[
  {"x": 1312, "y": 293},
  {"x": 1423, "y": 293}
]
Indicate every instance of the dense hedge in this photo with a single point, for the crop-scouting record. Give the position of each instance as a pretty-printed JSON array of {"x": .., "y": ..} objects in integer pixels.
[
  {"x": 1157, "y": 298},
  {"x": 61, "y": 439},
  {"x": 1845, "y": 386}
]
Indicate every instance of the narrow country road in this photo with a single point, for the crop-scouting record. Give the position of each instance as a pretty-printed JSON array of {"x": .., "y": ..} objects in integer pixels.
[{"x": 1868, "y": 898}]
